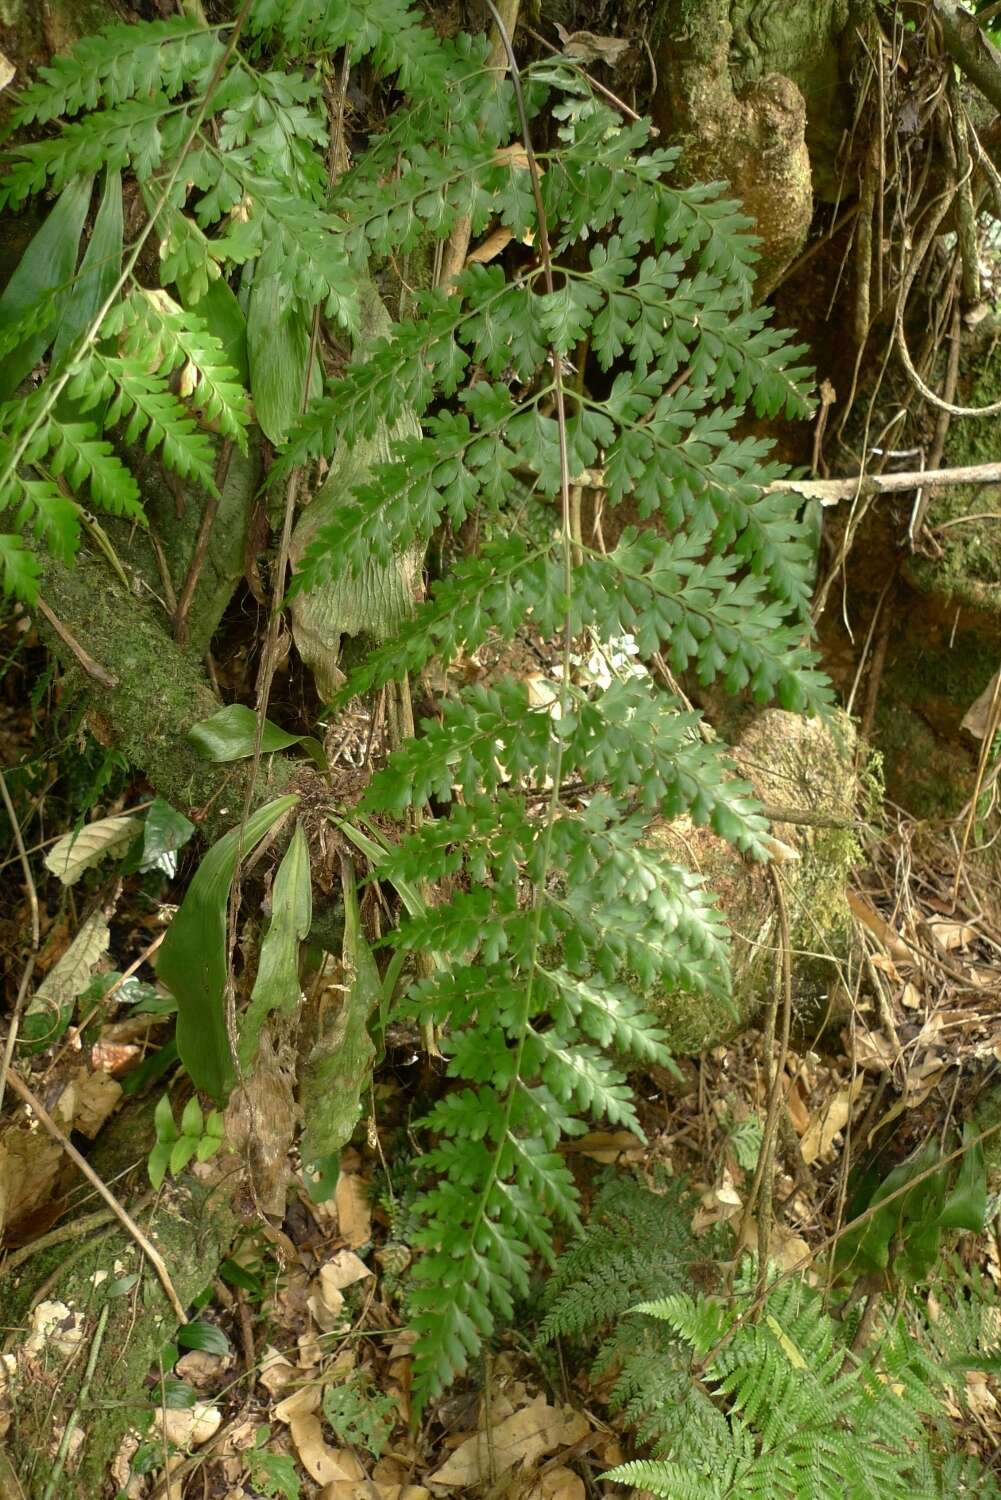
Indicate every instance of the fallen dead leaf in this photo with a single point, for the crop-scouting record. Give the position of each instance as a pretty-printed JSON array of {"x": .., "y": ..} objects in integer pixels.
[
  {"x": 321, "y": 1462},
  {"x": 523, "y": 1438},
  {"x": 7, "y": 70},
  {"x": 354, "y": 1210},
  {"x": 191, "y": 1426},
  {"x": 556, "y": 1484},
  {"x": 588, "y": 47},
  {"x": 950, "y": 935},
  {"x": 95, "y": 1096},
  {"x": 344, "y": 1269},
  {"x": 976, "y": 720},
  {"x": 819, "y": 1139},
  {"x": 879, "y": 927},
  {"x": 910, "y": 997}
]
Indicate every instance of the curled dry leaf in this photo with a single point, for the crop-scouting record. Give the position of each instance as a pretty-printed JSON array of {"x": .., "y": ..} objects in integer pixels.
[
  {"x": 321, "y": 1462},
  {"x": 54, "y": 1327},
  {"x": 520, "y": 1439},
  {"x": 867, "y": 914},
  {"x": 820, "y": 1137},
  {"x": 354, "y": 1210},
  {"x": 87, "y": 1101},
  {"x": 588, "y": 47},
  {"x": 192, "y": 1426}
]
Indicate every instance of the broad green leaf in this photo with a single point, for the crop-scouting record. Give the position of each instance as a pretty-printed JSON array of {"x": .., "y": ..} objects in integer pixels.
[
  {"x": 158, "y": 1161},
  {"x": 192, "y": 1121},
  {"x": 163, "y": 1119},
  {"x": 107, "y": 838},
  {"x": 181, "y": 1153},
  {"x": 45, "y": 268},
  {"x": 229, "y": 733},
  {"x": 966, "y": 1205},
  {"x": 207, "y": 1337},
  {"x": 192, "y": 962},
  {"x": 223, "y": 316},
  {"x": 51, "y": 1007},
  {"x": 277, "y": 349},
  {"x": 99, "y": 271},
  {"x": 340, "y": 1064},
  {"x": 164, "y": 832},
  {"x": 277, "y": 983}
]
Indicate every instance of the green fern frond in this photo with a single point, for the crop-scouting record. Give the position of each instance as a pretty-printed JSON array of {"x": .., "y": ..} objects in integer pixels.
[{"x": 119, "y": 63}]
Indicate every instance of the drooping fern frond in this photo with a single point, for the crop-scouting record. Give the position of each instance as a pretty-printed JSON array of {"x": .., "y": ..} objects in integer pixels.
[{"x": 788, "y": 1412}]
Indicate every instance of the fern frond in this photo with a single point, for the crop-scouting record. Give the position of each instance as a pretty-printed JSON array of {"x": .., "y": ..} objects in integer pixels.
[{"x": 119, "y": 63}]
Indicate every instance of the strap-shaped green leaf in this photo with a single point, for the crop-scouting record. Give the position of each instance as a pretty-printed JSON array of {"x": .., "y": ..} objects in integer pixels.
[
  {"x": 99, "y": 271},
  {"x": 192, "y": 961},
  {"x": 277, "y": 983},
  {"x": 45, "y": 267}
]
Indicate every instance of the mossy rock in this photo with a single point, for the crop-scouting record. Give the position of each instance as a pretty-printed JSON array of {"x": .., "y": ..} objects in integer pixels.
[{"x": 792, "y": 762}]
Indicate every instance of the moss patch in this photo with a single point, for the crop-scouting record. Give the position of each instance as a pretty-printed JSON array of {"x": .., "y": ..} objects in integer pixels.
[{"x": 792, "y": 762}]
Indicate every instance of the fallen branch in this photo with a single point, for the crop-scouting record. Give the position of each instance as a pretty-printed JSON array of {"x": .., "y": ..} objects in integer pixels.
[
  {"x": 854, "y": 486},
  {"x": 156, "y": 1260}
]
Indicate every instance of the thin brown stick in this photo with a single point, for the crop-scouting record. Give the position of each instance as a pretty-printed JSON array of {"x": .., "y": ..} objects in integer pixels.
[
  {"x": 90, "y": 666},
  {"x": 22, "y": 854},
  {"x": 156, "y": 1260},
  {"x": 201, "y": 545}
]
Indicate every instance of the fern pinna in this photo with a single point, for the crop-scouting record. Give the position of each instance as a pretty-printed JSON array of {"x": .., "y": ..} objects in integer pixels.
[{"x": 619, "y": 358}]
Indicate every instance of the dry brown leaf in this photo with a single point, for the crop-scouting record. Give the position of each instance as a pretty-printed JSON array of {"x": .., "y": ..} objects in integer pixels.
[
  {"x": 192, "y": 1426},
  {"x": 819, "y": 1139},
  {"x": 977, "y": 717},
  {"x": 608, "y": 1146},
  {"x": 95, "y": 1096},
  {"x": 951, "y": 935},
  {"x": 588, "y": 47},
  {"x": 884, "y": 963},
  {"x": 343, "y": 1270},
  {"x": 557, "y": 1484},
  {"x": 7, "y": 70},
  {"x": 354, "y": 1209},
  {"x": 523, "y": 1438},
  {"x": 910, "y": 997},
  {"x": 321, "y": 1462},
  {"x": 878, "y": 926},
  {"x": 276, "y": 1372},
  {"x": 199, "y": 1368},
  {"x": 29, "y": 1168}
]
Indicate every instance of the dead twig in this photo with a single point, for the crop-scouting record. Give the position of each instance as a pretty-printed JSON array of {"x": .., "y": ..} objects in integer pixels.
[
  {"x": 201, "y": 545},
  {"x": 92, "y": 668},
  {"x": 25, "y": 1094}
]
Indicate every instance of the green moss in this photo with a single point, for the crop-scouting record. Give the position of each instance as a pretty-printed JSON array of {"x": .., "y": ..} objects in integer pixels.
[
  {"x": 926, "y": 775},
  {"x": 795, "y": 763},
  {"x": 193, "y": 1229},
  {"x": 160, "y": 692},
  {"x": 969, "y": 570}
]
